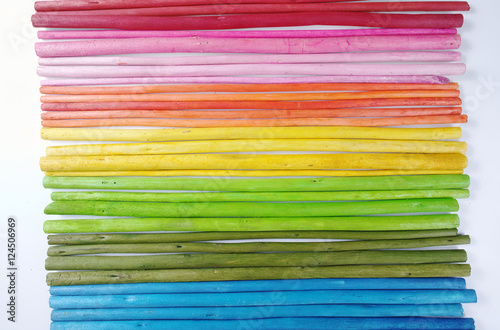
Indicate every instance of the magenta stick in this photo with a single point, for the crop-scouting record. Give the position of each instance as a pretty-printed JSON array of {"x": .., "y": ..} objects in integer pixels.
[
  {"x": 113, "y": 4},
  {"x": 247, "y": 80},
  {"x": 257, "y": 69},
  {"x": 109, "y": 34},
  {"x": 257, "y": 59},
  {"x": 217, "y": 22},
  {"x": 246, "y": 45}
]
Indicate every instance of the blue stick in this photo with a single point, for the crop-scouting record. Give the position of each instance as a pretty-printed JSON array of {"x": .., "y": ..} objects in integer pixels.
[
  {"x": 390, "y": 297},
  {"x": 259, "y": 312},
  {"x": 411, "y": 323},
  {"x": 264, "y": 285}
]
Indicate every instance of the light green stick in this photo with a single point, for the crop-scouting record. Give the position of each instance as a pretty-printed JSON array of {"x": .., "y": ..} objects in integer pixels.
[
  {"x": 86, "y": 239},
  {"x": 178, "y": 261},
  {"x": 259, "y": 273},
  {"x": 379, "y": 223},
  {"x": 278, "y": 184},
  {"x": 114, "y": 196},
  {"x": 251, "y": 209},
  {"x": 256, "y": 247}
]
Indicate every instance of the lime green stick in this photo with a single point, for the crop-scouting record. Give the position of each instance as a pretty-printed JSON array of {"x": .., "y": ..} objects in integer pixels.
[
  {"x": 97, "y": 239},
  {"x": 114, "y": 196},
  {"x": 183, "y": 261},
  {"x": 251, "y": 209},
  {"x": 379, "y": 223},
  {"x": 256, "y": 246},
  {"x": 453, "y": 181},
  {"x": 259, "y": 273}
]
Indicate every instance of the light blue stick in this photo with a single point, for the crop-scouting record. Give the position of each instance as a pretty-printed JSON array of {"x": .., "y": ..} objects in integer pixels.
[
  {"x": 411, "y": 323},
  {"x": 390, "y": 297},
  {"x": 262, "y": 285},
  {"x": 259, "y": 312}
]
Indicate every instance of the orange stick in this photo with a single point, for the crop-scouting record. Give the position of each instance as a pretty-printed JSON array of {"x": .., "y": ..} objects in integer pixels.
[
  {"x": 240, "y": 88},
  {"x": 392, "y": 121},
  {"x": 254, "y": 114},
  {"x": 251, "y": 97}
]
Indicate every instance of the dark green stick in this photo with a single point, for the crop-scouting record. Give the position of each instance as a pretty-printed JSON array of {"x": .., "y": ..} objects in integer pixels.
[
  {"x": 85, "y": 239},
  {"x": 281, "y": 184},
  {"x": 259, "y": 273},
  {"x": 256, "y": 247}
]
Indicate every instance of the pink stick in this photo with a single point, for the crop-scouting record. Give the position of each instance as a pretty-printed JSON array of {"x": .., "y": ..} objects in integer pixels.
[
  {"x": 258, "y": 59},
  {"x": 246, "y": 45},
  {"x": 107, "y": 34},
  {"x": 248, "y": 80},
  {"x": 258, "y": 69}
]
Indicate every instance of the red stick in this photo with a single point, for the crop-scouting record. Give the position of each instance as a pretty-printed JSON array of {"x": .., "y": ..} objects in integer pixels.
[
  {"x": 374, "y": 122},
  {"x": 310, "y": 105},
  {"x": 253, "y": 114},
  {"x": 111, "y": 4},
  {"x": 430, "y": 21},
  {"x": 279, "y": 8}
]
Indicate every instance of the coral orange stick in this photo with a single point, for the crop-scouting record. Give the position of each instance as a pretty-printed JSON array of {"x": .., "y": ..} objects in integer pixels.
[
  {"x": 239, "y": 88},
  {"x": 310, "y": 105},
  {"x": 254, "y": 114},
  {"x": 250, "y": 97},
  {"x": 367, "y": 122}
]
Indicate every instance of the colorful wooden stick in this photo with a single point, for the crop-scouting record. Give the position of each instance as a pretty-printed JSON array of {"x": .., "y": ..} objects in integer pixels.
[{"x": 240, "y": 45}]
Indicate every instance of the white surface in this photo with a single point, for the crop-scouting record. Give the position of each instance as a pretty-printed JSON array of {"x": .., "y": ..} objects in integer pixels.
[{"x": 23, "y": 197}]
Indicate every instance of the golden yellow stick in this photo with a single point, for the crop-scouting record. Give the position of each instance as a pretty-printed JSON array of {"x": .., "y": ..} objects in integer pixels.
[{"x": 234, "y": 133}]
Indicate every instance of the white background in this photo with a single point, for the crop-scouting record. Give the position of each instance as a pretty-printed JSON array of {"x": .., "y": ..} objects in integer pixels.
[{"x": 22, "y": 195}]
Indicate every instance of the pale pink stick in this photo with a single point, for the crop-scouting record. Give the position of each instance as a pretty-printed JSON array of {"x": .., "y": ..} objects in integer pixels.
[
  {"x": 101, "y": 34},
  {"x": 257, "y": 69},
  {"x": 258, "y": 59},
  {"x": 248, "y": 80},
  {"x": 246, "y": 45}
]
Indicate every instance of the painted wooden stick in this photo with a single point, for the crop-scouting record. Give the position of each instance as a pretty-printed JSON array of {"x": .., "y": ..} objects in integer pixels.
[
  {"x": 438, "y": 133},
  {"x": 256, "y": 162},
  {"x": 255, "y": 313},
  {"x": 114, "y": 34},
  {"x": 261, "y": 273},
  {"x": 241, "y": 45},
  {"x": 321, "y": 69},
  {"x": 253, "y": 173},
  {"x": 255, "y": 247},
  {"x": 157, "y": 238},
  {"x": 247, "y": 80},
  {"x": 285, "y": 324},
  {"x": 412, "y": 21},
  {"x": 116, "y": 4},
  {"x": 240, "y": 88},
  {"x": 253, "y": 114},
  {"x": 263, "y": 286},
  {"x": 231, "y": 9},
  {"x": 294, "y": 184}
]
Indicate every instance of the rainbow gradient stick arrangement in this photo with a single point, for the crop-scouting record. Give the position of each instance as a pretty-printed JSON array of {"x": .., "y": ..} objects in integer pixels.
[{"x": 279, "y": 173}]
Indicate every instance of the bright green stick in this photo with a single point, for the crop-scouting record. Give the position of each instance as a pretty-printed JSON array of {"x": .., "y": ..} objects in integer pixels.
[
  {"x": 114, "y": 196},
  {"x": 96, "y": 239},
  {"x": 251, "y": 209},
  {"x": 183, "y": 261},
  {"x": 380, "y": 223},
  {"x": 279, "y": 184},
  {"x": 259, "y": 273},
  {"x": 256, "y": 247}
]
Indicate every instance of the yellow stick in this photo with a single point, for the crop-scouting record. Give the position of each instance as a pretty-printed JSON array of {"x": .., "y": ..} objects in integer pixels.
[
  {"x": 244, "y": 173},
  {"x": 255, "y": 162},
  {"x": 232, "y": 133},
  {"x": 345, "y": 145}
]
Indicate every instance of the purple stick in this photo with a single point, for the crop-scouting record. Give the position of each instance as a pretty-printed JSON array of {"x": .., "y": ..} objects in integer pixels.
[
  {"x": 106, "y": 34},
  {"x": 248, "y": 80},
  {"x": 258, "y": 69},
  {"x": 247, "y": 45}
]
